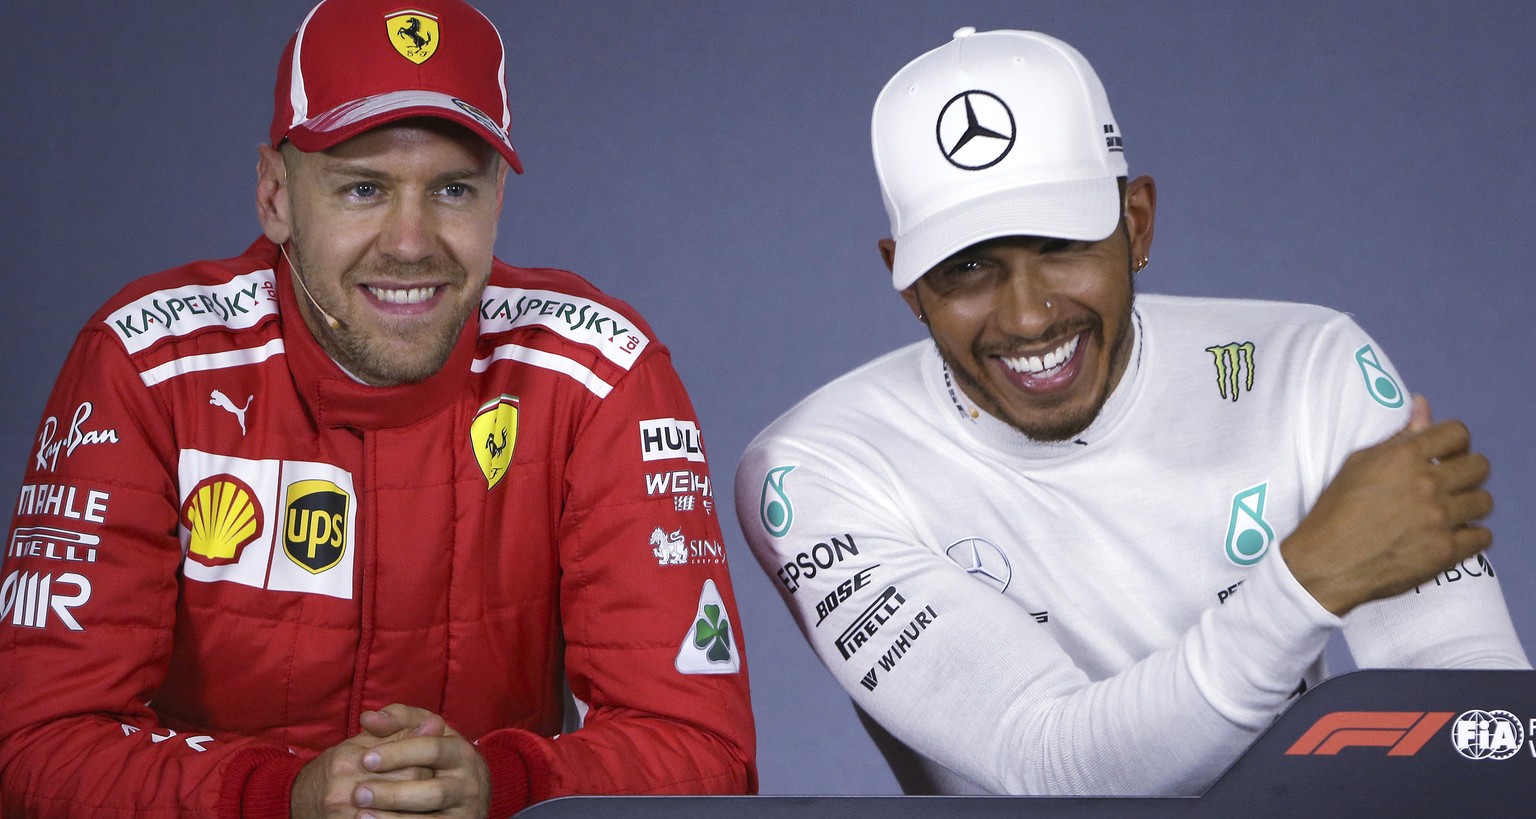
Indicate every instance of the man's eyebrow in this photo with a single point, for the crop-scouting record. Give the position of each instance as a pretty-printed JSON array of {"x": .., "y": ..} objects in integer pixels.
[{"x": 360, "y": 170}]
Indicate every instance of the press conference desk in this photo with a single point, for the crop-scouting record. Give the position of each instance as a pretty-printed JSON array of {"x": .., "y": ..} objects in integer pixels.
[{"x": 1361, "y": 745}]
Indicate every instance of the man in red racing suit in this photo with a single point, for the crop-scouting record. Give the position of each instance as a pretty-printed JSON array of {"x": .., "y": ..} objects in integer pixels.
[{"x": 228, "y": 552}]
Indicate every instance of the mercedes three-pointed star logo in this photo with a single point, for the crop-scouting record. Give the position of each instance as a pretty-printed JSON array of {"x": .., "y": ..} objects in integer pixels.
[
  {"x": 983, "y": 560},
  {"x": 975, "y": 130}
]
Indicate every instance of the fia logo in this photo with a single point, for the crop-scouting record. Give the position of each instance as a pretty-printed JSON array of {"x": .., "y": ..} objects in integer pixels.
[{"x": 1248, "y": 535}]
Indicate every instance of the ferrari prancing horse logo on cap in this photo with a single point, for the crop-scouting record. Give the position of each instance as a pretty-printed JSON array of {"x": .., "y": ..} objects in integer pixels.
[
  {"x": 975, "y": 130},
  {"x": 413, "y": 34}
]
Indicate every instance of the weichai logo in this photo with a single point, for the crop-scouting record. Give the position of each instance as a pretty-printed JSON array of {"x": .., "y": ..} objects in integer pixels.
[
  {"x": 1402, "y": 732},
  {"x": 315, "y": 524}
]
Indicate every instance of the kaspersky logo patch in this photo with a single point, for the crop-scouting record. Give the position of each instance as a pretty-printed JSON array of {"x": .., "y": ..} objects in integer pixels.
[
  {"x": 1234, "y": 367},
  {"x": 708, "y": 648},
  {"x": 1248, "y": 535},
  {"x": 315, "y": 528},
  {"x": 773, "y": 507},
  {"x": 413, "y": 34},
  {"x": 222, "y": 517},
  {"x": 1380, "y": 383},
  {"x": 492, "y": 436}
]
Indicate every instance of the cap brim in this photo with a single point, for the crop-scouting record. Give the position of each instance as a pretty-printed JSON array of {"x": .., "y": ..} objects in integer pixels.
[
  {"x": 348, "y": 120},
  {"x": 1079, "y": 209}
]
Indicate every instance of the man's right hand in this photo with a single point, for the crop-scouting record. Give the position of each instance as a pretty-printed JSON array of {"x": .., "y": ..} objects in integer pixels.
[{"x": 1396, "y": 514}]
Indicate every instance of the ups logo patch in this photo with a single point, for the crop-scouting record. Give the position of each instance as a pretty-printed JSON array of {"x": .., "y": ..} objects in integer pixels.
[{"x": 315, "y": 524}]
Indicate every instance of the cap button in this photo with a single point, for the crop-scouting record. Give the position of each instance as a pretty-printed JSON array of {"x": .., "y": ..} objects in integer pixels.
[{"x": 964, "y": 31}]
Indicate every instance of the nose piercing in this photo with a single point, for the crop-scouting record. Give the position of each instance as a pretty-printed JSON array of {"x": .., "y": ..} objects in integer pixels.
[{"x": 1047, "y": 304}]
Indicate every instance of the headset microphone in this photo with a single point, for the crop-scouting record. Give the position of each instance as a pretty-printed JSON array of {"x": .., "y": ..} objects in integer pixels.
[{"x": 334, "y": 322}]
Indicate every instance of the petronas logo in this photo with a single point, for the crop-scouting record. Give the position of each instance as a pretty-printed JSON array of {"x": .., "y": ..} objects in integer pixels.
[
  {"x": 1248, "y": 535},
  {"x": 1380, "y": 383},
  {"x": 1234, "y": 368},
  {"x": 777, "y": 512}
]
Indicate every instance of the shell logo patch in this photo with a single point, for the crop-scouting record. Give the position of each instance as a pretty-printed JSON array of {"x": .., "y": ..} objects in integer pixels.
[
  {"x": 493, "y": 435},
  {"x": 222, "y": 518},
  {"x": 315, "y": 527},
  {"x": 413, "y": 34}
]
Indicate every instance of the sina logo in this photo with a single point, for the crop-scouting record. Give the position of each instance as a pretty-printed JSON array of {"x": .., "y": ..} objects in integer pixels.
[
  {"x": 1234, "y": 367},
  {"x": 773, "y": 507},
  {"x": 1380, "y": 383},
  {"x": 975, "y": 130},
  {"x": 413, "y": 34},
  {"x": 708, "y": 648},
  {"x": 1248, "y": 535},
  {"x": 982, "y": 560},
  {"x": 220, "y": 400}
]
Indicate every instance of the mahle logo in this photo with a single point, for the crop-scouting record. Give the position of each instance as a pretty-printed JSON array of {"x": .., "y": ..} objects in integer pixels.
[
  {"x": 1234, "y": 367},
  {"x": 777, "y": 512},
  {"x": 315, "y": 533},
  {"x": 1378, "y": 382},
  {"x": 1248, "y": 535},
  {"x": 492, "y": 435}
]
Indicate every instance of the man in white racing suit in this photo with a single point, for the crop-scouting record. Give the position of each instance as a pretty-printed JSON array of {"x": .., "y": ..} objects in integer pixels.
[{"x": 1083, "y": 541}]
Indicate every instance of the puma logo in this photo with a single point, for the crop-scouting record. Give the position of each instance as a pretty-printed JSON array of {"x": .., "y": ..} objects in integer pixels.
[{"x": 219, "y": 399}]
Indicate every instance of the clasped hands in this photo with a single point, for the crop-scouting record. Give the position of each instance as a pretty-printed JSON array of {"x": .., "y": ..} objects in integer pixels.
[{"x": 405, "y": 762}]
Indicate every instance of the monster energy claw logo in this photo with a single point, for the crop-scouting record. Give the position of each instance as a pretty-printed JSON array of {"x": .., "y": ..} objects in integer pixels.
[
  {"x": 1380, "y": 383},
  {"x": 1231, "y": 361},
  {"x": 777, "y": 512},
  {"x": 1248, "y": 535}
]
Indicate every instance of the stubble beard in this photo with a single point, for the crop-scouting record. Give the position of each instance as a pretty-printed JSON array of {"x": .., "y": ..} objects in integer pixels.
[{"x": 368, "y": 357}]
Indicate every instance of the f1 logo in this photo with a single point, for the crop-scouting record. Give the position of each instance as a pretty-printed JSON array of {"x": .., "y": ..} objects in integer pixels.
[{"x": 1405, "y": 732}]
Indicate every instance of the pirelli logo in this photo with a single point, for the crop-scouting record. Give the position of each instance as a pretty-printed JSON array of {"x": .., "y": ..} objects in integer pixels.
[
  {"x": 870, "y": 621},
  {"x": 1403, "y": 733}
]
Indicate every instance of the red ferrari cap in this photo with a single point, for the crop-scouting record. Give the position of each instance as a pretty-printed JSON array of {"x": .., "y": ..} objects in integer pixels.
[{"x": 358, "y": 64}]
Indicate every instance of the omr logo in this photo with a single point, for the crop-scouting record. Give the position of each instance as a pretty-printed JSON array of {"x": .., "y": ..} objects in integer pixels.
[{"x": 1404, "y": 732}]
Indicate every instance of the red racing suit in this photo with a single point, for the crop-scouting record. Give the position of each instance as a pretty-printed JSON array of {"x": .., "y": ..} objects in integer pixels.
[{"x": 225, "y": 550}]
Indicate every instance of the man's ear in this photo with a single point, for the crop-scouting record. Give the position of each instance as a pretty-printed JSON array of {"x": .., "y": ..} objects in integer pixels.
[
  {"x": 272, "y": 205},
  {"x": 909, "y": 295},
  {"x": 888, "y": 253},
  {"x": 1140, "y": 213}
]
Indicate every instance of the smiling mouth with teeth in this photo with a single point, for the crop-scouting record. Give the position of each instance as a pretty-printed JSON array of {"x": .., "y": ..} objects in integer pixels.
[
  {"x": 1039, "y": 365},
  {"x": 406, "y": 296}
]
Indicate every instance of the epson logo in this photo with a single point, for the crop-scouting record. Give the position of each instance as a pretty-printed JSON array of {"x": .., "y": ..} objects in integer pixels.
[
  {"x": 869, "y": 622},
  {"x": 666, "y": 438},
  {"x": 28, "y": 597},
  {"x": 819, "y": 557}
]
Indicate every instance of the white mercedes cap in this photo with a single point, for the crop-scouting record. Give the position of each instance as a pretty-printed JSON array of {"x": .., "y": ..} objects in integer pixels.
[{"x": 995, "y": 133}]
